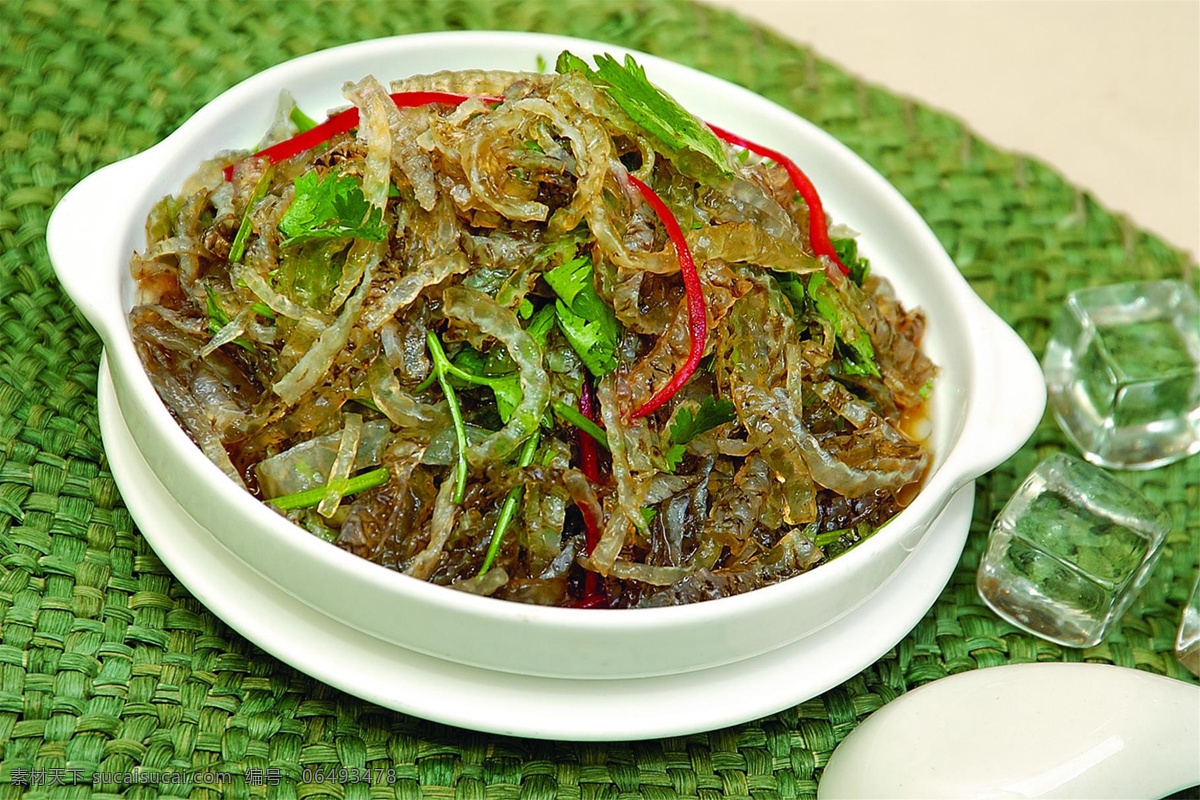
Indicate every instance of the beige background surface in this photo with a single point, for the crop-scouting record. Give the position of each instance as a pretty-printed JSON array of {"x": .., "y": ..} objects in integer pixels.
[{"x": 1106, "y": 92}]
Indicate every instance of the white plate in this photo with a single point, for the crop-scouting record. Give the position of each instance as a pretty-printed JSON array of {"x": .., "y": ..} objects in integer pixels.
[{"x": 505, "y": 703}]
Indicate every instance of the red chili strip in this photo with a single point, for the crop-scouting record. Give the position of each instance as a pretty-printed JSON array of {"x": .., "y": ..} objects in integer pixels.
[
  {"x": 697, "y": 309},
  {"x": 818, "y": 228},
  {"x": 588, "y": 454},
  {"x": 348, "y": 120},
  {"x": 589, "y": 462}
]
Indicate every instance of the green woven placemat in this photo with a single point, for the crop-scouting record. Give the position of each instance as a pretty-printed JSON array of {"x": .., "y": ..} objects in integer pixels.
[{"x": 106, "y": 662}]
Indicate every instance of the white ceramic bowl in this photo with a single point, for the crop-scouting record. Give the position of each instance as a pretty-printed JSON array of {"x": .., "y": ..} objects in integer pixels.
[{"x": 988, "y": 398}]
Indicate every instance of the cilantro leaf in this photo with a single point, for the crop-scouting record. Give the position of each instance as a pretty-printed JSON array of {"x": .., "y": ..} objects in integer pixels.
[
  {"x": 658, "y": 114},
  {"x": 470, "y": 360},
  {"x": 507, "y": 390},
  {"x": 847, "y": 252},
  {"x": 571, "y": 278},
  {"x": 540, "y": 324},
  {"x": 332, "y": 208},
  {"x": 792, "y": 289},
  {"x": 846, "y": 249},
  {"x": 673, "y": 456},
  {"x": 859, "y": 354},
  {"x": 688, "y": 424},
  {"x": 496, "y": 370},
  {"x": 587, "y": 321},
  {"x": 471, "y": 367},
  {"x": 569, "y": 62}
]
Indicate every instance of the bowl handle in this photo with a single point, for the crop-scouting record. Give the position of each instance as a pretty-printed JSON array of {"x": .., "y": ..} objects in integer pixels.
[
  {"x": 1008, "y": 400},
  {"x": 1011, "y": 397},
  {"x": 84, "y": 237}
]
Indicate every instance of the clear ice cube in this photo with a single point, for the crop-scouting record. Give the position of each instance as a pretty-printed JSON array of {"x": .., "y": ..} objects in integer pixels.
[
  {"x": 1123, "y": 372},
  {"x": 1187, "y": 641},
  {"x": 1070, "y": 551}
]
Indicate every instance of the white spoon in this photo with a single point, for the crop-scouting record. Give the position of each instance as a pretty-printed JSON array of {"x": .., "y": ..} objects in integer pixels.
[{"x": 1026, "y": 730}]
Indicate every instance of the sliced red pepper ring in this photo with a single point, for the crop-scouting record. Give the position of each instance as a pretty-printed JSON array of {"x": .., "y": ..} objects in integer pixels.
[
  {"x": 818, "y": 227},
  {"x": 696, "y": 306},
  {"x": 348, "y": 120}
]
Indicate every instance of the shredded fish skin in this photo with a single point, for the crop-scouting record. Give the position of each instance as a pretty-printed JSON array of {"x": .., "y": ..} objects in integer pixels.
[{"x": 289, "y": 311}]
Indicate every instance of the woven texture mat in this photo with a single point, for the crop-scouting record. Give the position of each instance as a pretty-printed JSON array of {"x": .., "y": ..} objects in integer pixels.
[{"x": 107, "y": 663}]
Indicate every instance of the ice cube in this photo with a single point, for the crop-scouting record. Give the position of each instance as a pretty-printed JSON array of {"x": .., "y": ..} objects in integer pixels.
[
  {"x": 1070, "y": 551},
  {"x": 1123, "y": 372}
]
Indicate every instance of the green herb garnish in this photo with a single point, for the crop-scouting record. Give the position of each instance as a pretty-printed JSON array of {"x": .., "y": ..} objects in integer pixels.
[
  {"x": 302, "y": 121},
  {"x": 576, "y": 418},
  {"x": 687, "y": 425},
  {"x": 835, "y": 543},
  {"x": 829, "y": 537},
  {"x": 541, "y": 323},
  {"x": 367, "y": 402},
  {"x": 238, "y": 248},
  {"x": 218, "y": 319},
  {"x": 441, "y": 369},
  {"x": 263, "y": 310},
  {"x": 793, "y": 289},
  {"x": 658, "y": 114},
  {"x": 509, "y": 509},
  {"x": 469, "y": 367},
  {"x": 589, "y": 324},
  {"x": 859, "y": 355},
  {"x": 332, "y": 208},
  {"x": 348, "y": 486},
  {"x": 847, "y": 252}
]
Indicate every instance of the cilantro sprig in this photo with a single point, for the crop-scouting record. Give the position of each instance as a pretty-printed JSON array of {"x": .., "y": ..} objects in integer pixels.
[
  {"x": 574, "y": 417},
  {"x": 857, "y": 351},
  {"x": 470, "y": 365},
  {"x": 238, "y": 248},
  {"x": 348, "y": 486},
  {"x": 473, "y": 368},
  {"x": 441, "y": 369},
  {"x": 302, "y": 121},
  {"x": 218, "y": 318},
  {"x": 688, "y": 424},
  {"x": 509, "y": 509},
  {"x": 660, "y": 115},
  {"x": 330, "y": 208},
  {"x": 838, "y": 542},
  {"x": 588, "y": 323},
  {"x": 847, "y": 251},
  {"x": 540, "y": 324}
]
